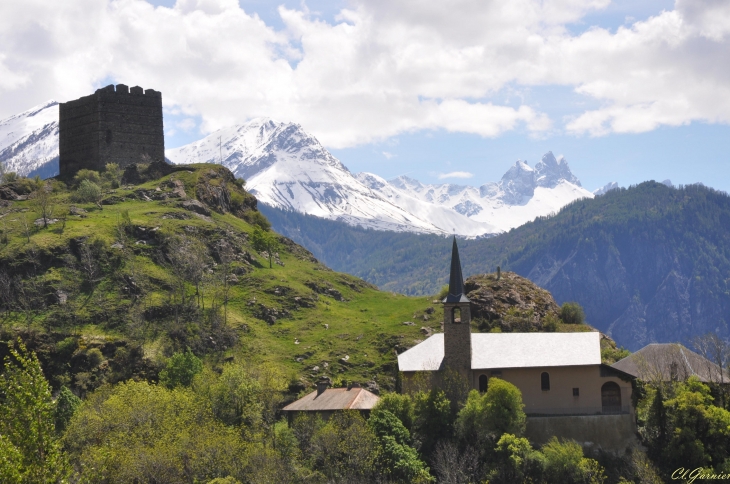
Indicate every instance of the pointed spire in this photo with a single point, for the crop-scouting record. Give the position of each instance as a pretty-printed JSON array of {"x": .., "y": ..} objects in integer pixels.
[{"x": 456, "y": 280}]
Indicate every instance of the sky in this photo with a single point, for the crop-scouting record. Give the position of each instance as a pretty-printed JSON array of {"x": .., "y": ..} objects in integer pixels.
[{"x": 444, "y": 92}]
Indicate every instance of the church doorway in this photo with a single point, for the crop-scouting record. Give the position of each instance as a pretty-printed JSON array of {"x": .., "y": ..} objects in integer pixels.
[{"x": 611, "y": 397}]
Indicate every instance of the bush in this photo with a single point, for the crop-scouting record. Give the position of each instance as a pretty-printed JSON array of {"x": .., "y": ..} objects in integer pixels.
[
  {"x": 572, "y": 313},
  {"x": 496, "y": 412},
  {"x": 181, "y": 369},
  {"x": 564, "y": 462},
  {"x": 87, "y": 192},
  {"x": 88, "y": 175}
]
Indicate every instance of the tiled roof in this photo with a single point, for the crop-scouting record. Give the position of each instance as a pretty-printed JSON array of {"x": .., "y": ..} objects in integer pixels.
[
  {"x": 335, "y": 399},
  {"x": 663, "y": 361},
  {"x": 510, "y": 350}
]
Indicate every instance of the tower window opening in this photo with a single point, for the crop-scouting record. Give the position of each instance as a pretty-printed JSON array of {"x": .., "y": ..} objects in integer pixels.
[{"x": 456, "y": 315}]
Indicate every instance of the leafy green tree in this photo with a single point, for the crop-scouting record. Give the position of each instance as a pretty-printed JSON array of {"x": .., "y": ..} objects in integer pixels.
[
  {"x": 180, "y": 370},
  {"x": 344, "y": 449},
  {"x": 395, "y": 457},
  {"x": 487, "y": 416},
  {"x": 11, "y": 462},
  {"x": 698, "y": 431},
  {"x": 140, "y": 432},
  {"x": 264, "y": 241},
  {"x": 113, "y": 174},
  {"x": 516, "y": 461},
  {"x": 26, "y": 421},
  {"x": 572, "y": 313},
  {"x": 433, "y": 420},
  {"x": 400, "y": 405},
  {"x": 66, "y": 405},
  {"x": 565, "y": 463}
]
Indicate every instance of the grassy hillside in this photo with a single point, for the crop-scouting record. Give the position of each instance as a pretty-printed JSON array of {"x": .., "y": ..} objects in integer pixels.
[{"x": 108, "y": 290}]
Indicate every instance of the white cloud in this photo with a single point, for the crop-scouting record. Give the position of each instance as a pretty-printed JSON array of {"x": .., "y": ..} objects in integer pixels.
[
  {"x": 455, "y": 174},
  {"x": 388, "y": 155},
  {"x": 384, "y": 67}
]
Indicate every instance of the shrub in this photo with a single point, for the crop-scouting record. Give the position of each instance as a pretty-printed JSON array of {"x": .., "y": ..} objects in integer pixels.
[
  {"x": 181, "y": 369},
  {"x": 88, "y": 175},
  {"x": 550, "y": 323},
  {"x": 87, "y": 192},
  {"x": 572, "y": 313}
]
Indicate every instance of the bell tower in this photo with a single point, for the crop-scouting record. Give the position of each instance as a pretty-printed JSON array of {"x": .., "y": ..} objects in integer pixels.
[{"x": 457, "y": 320}]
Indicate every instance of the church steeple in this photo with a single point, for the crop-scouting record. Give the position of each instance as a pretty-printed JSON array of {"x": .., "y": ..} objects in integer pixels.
[
  {"x": 456, "y": 280},
  {"x": 457, "y": 320}
]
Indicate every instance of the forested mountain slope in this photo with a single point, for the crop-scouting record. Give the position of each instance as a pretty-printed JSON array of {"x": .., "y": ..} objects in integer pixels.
[{"x": 648, "y": 263}]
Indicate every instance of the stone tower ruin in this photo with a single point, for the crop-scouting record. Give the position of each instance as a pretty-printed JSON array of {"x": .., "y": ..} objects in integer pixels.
[{"x": 119, "y": 125}]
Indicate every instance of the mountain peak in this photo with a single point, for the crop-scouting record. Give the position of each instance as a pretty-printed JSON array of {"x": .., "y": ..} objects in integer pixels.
[{"x": 550, "y": 171}]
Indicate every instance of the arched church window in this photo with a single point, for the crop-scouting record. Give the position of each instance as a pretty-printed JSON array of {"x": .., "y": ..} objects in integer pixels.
[
  {"x": 483, "y": 382},
  {"x": 545, "y": 381}
]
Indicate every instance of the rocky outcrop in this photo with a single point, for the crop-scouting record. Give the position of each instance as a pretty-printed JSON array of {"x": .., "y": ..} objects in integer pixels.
[{"x": 510, "y": 302}]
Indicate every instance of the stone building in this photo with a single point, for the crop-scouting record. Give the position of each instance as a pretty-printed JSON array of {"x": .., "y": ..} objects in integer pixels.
[
  {"x": 114, "y": 125},
  {"x": 565, "y": 388}
]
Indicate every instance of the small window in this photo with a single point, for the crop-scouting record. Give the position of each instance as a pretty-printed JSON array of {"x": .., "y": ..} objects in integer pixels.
[
  {"x": 497, "y": 373},
  {"x": 483, "y": 381},
  {"x": 576, "y": 392},
  {"x": 545, "y": 381}
]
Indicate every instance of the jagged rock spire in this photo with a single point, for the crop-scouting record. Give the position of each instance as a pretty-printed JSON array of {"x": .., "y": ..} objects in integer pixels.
[{"x": 456, "y": 280}]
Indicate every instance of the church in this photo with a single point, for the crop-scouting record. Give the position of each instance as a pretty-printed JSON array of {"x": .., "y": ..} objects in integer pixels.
[{"x": 559, "y": 374}]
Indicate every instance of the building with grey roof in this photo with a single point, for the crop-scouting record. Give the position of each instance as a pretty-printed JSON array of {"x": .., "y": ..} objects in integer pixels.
[{"x": 670, "y": 362}]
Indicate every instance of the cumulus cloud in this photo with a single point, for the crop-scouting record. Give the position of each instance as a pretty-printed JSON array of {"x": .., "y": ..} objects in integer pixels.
[
  {"x": 455, "y": 174},
  {"x": 381, "y": 68}
]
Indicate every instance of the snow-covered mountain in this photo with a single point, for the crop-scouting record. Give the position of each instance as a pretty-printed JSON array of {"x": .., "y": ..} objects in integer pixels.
[
  {"x": 29, "y": 141},
  {"x": 522, "y": 194},
  {"x": 606, "y": 188},
  {"x": 289, "y": 169}
]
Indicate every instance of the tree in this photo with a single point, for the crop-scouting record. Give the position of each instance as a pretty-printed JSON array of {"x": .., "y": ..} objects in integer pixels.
[
  {"x": 180, "y": 370},
  {"x": 113, "y": 174},
  {"x": 141, "y": 432},
  {"x": 400, "y": 405},
  {"x": 572, "y": 313},
  {"x": 433, "y": 420},
  {"x": 565, "y": 463},
  {"x": 516, "y": 461},
  {"x": 395, "y": 457},
  {"x": 264, "y": 242},
  {"x": 27, "y": 420},
  {"x": 487, "y": 416},
  {"x": 66, "y": 405},
  {"x": 715, "y": 350},
  {"x": 43, "y": 202}
]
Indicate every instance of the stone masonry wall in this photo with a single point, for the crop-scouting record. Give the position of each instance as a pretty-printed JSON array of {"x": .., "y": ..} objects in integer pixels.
[
  {"x": 110, "y": 126},
  {"x": 457, "y": 338}
]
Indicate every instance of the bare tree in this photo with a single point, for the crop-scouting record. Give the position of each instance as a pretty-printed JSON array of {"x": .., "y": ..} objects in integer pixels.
[
  {"x": 188, "y": 262},
  {"x": 453, "y": 466},
  {"x": 43, "y": 202},
  {"x": 89, "y": 264}
]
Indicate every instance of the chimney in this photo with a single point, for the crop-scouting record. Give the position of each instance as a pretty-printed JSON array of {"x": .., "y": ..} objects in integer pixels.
[{"x": 322, "y": 386}]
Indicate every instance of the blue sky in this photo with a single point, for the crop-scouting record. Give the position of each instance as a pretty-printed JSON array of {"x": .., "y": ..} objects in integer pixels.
[{"x": 627, "y": 91}]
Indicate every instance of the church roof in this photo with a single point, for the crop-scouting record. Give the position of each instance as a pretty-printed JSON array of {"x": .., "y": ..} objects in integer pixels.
[
  {"x": 456, "y": 280},
  {"x": 335, "y": 399},
  {"x": 510, "y": 350}
]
